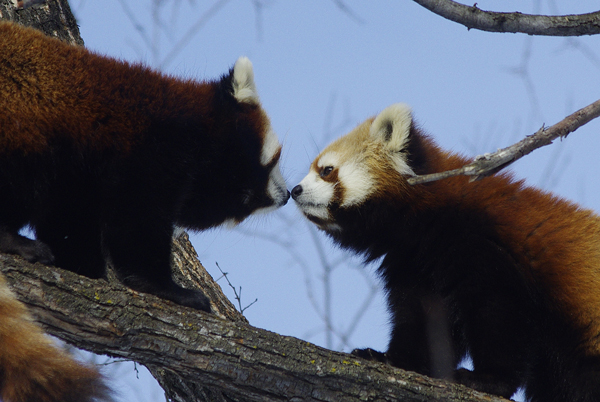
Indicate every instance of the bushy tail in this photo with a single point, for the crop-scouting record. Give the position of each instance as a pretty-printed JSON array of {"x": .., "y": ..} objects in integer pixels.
[{"x": 33, "y": 368}]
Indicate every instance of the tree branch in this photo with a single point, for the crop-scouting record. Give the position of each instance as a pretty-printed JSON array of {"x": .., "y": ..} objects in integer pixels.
[
  {"x": 475, "y": 18},
  {"x": 199, "y": 356},
  {"x": 488, "y": 164}
]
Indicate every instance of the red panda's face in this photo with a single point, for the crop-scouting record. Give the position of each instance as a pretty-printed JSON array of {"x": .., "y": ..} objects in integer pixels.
[
  {"x": 241, "y": 176},
  {"x": 359, "y": 166},
  {"x": 258, "y": 195}
]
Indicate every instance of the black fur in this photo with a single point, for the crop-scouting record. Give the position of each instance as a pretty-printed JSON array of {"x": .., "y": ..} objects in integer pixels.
[
  {"x": 193, "y": 166},
  {"x": 514, "y": 334}
]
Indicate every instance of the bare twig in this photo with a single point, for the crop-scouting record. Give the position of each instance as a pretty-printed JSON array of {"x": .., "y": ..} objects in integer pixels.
[
  {"x": 487, "y": 164},
  {"x": 198, "y": 25},
  {"x": 475, "y": 18},
  {"x": 238, "y": 296},
  {"x": 348, "y": 11}
]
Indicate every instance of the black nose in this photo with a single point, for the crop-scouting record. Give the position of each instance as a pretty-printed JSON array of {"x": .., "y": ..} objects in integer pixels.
[{"x": 296, "y": 191}]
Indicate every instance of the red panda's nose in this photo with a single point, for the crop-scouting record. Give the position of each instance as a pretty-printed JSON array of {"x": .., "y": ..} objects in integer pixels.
[{"x": 296, "y": 191}]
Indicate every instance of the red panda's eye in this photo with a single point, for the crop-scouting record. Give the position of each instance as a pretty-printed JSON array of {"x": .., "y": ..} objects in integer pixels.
[{"x": 326, "y": 171}]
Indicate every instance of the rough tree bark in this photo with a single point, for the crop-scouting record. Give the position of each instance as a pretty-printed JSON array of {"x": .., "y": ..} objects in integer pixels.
[{"x": 208, "y": 357}]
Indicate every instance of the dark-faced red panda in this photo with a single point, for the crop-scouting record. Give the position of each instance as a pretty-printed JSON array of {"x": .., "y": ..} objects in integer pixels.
[
  {"x": 509, "y": 274},
  {"x": 102, "y": 159}
]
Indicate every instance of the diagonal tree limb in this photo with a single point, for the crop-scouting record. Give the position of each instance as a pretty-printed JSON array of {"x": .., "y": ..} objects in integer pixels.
[
  {"x": 202, "y": 357},
  {"x": 488, "y": 164},
  {"x": 474, "y": 18}
]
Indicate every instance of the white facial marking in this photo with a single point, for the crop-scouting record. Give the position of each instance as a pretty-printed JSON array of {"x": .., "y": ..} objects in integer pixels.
[
  {"x": 331, "y": 227},
  {"x": 270, "y": 147},
  {"x": 316, "y": 195},
  {"x": 357, "y": 183},
  {"x": 276, "y": 188},
  {"x": 244, "y": 88},
  {"x": 329, "y": 159}
]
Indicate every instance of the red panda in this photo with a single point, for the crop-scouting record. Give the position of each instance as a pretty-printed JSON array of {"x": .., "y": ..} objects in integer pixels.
[
  {"x": 102, "y": 159},
  {"x": 515, "y": 271}
]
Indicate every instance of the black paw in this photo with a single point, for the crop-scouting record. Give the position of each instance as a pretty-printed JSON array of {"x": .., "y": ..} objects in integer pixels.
[
  {"x": 31, "y": 250},
  {"x": 170, "y": 291},
  {"x": 39, "y": 252},
  {"x": 190, "y": 298},
  {"x": 370, "y": 354}
]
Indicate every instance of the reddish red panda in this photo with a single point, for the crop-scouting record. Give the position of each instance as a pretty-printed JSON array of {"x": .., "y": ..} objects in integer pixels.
[
  {"x": 515, "y": 270},
  {"x": 102, "y": 159}
]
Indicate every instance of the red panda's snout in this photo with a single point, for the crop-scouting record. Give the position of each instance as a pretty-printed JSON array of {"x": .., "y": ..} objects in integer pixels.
[{"x": 348, "y": 172}]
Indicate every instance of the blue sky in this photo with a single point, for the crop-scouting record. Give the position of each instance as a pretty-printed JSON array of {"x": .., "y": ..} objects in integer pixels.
[{"x": 321, "y": 71}]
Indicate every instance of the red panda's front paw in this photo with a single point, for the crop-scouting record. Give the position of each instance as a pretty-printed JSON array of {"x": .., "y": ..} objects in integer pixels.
[
  {"x": 40, "y": 252},
  {"x": 169, "y": 290},
  {"x": 371, "y": 354},
  {"x": 31, "y": 250},
  {"x": 190, "y": 298}
]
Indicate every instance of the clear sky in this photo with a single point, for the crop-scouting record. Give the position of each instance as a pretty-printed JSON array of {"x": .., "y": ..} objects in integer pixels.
[{"x": 320, "y": 71}]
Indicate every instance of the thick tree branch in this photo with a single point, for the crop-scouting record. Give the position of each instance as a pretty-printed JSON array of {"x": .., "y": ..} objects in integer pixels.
[
  {"x": 202, "y": 356},
  {"x": 475, "y": 18},
  {"x": 488, "y": 164}
]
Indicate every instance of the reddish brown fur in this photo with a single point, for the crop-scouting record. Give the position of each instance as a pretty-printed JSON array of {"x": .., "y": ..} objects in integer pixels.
[
  {"x": 33, "y": 368},
  {"x": 65, "y": 88},
  {"x": 557, "y": 241}
]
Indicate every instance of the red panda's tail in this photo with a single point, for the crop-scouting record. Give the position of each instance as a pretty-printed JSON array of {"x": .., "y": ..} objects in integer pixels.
[{"x": 32, "y": 368}]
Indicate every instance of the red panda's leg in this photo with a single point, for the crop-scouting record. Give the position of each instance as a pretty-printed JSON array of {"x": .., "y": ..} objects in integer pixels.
[
  {"x": 13, "y": 217},
  {"x": 32, "y": 250},
  {"x": 564, "y": 372},
  {"x": 139, "y": 247},
  {"x": 72, "y": 230},
  {"x": 494, "y": 311},
  {"x": 408, "y": 348}
]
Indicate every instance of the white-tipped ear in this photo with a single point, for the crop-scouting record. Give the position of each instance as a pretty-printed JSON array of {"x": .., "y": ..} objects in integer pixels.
[
  {"x": 392, "y": 126},
  {"x": 244, "y": 88}
]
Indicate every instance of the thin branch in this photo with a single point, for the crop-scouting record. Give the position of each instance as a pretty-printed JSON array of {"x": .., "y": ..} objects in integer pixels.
[
  {"x": 198, "y": 25},
  {"x": 137, "y": 26},
  {"x": 238, "y": 296},
  {"x": 488, "y": 164},
  {"x": 348, "y": 11},
  {"x": 475, "y": 18}
]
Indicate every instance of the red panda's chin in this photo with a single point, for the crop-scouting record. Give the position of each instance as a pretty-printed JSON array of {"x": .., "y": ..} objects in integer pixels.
[{"x": 327, "y": 225}]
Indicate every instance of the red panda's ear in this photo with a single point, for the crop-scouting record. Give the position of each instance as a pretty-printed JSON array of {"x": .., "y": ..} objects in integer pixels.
[
  {"x": 244, "y": 88},
  {"x": 392, "y": 127}
]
